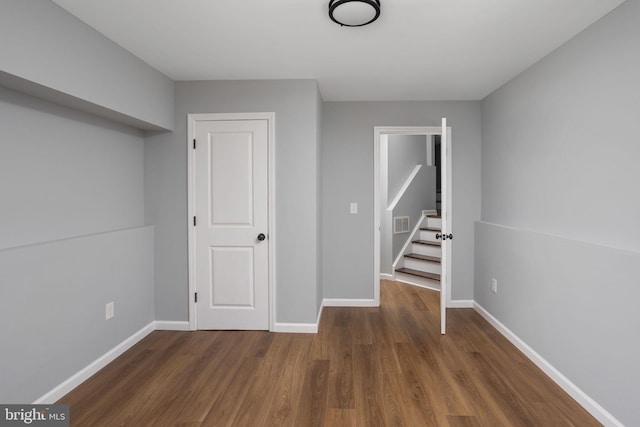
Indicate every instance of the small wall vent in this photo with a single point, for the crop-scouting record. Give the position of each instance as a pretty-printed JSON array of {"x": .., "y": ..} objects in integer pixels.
[{"x": 400, "y": 224}]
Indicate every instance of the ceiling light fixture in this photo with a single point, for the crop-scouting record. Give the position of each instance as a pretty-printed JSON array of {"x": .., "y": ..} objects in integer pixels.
[{"x": 354, "y": 13}]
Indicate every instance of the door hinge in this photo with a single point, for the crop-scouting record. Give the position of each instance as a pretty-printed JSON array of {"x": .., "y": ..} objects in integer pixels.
[
  {"x": 195, "y": 297},
  {"x": 194, "y": 144},
  {"x": 194, "y": 221}
]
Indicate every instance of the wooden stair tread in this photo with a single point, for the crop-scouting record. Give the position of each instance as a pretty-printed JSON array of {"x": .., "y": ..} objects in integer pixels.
[
  {"x": 423, "y": 257},
  {"x": 419, "y": 273},
  {"x": 426, "y": 242},
  {"x": 429, "y": 229},
  {"x": 434, "y": 216}
]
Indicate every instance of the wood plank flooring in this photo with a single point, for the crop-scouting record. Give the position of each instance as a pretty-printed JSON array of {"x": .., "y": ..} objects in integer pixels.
[{"x": 386, "y": 366}]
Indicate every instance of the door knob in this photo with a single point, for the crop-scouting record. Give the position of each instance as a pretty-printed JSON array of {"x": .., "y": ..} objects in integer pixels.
[{"x": 261, "y": 237}]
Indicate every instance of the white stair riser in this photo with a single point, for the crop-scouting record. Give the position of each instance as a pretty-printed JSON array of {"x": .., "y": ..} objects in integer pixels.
[
  {"x": 434, "y": 222},
  {"x": 421, "y": 265},
  {"x": 428, "y": 250},
  {"x": 418, "y": 281},
  {"x": 429, "y": 236}
]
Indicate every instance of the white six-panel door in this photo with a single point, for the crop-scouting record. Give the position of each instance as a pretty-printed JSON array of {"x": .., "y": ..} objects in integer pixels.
[{"x": 231, "y": 224}]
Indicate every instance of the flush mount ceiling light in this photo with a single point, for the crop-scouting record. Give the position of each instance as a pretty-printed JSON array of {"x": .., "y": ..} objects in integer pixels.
[{"x": 354, "y": 13}]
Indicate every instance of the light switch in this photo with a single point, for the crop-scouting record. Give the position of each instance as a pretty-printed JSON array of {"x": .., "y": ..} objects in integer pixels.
[{"x": 354, "y": 208}]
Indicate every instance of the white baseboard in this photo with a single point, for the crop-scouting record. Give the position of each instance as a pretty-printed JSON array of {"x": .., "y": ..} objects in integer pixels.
[
  {"x": 461, "y": 303},
  {"x": 386, "y": 276},
  {"x": 343, "y": 302},
  {"x": 312, "y": 328},
  {"x": 319, "y": 315},
  {"x": 601, "y": 414},
  {"x": 75, "y": 380},
  {"x": 171, "y": 325},
  {"x": 404, "y": 279},
  {"x": 297, "y": 328},
  {"x": 570, "y": 388}
]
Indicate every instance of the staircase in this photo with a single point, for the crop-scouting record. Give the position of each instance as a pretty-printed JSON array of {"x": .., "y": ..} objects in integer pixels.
[{"x": 420, "y": 264}]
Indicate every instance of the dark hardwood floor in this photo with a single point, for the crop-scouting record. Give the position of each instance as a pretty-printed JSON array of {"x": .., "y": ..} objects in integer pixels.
[{"x": 386, "y": 366}]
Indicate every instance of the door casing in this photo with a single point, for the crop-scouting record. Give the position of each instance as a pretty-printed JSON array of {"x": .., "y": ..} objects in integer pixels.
[{"x": 271, "y": 241}]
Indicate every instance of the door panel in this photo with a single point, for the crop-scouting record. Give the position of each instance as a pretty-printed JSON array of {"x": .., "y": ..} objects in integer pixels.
[
  {"x": 231, "y": 166},
  {"x": 231, "y": 197},
  {"x": 234, "y": 268}
]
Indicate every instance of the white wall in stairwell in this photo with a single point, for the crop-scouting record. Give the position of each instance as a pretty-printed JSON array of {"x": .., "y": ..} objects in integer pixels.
[
  {"x": 400, "y": 154},
  {"x": 421, "y": 195},
  {"x": 405, "y": 152},
  {"x": 386, "y": 217}
]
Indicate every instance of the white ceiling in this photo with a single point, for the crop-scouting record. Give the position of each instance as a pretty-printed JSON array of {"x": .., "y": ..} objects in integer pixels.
[{"x": 417, "y": 50}]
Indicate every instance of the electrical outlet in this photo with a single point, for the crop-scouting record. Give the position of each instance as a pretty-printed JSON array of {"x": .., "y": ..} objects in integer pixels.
[
  {"x": 353, "y": 208},
  {"x": 494, "y": 286},
  {"x": 109, "y": 310}
]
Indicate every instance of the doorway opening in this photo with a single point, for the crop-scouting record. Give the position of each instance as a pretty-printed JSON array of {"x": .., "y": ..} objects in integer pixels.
[{"x": 391, "y": 187}]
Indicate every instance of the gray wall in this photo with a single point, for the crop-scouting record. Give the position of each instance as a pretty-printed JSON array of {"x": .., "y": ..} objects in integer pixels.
[
  {"x": 65, "y": 176},
  {"x": 52, "y": 310},
  {"x": 347, "y": 162},
  {"x": 48, "y": 52},
  {"x": 64, "y": 173},
  {"x": 296, "y": 105},
  {"x": 559, "y": 165},
  {"x": 574, "y": 303}
]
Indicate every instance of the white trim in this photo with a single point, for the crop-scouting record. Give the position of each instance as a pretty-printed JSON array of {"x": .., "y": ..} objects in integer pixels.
[
  {"x": 404, "y": 187},
  {"x": 445, "y": 226},
  {"x": 386, "y": 276},
  {"x": 191, "y": 210},
  {"x": 271, "y": 164},
  {"x": 377, "y": 133},
  {"x": 601, "y": 414},
  {"x": 171, "y": 325},
  {"x": 319, "y": 315},
  {"x": 449, "y": 206},
  {"x": 271, "y": 161},
  {"x": 461, "y": 303},
  {"x": 407, "y": 279},
  {"x": 78, "y": 378},
  {"x": 570, "y": 388},
  {"x": 296, "y": 328},
  {"x": 345, "y": 302}
]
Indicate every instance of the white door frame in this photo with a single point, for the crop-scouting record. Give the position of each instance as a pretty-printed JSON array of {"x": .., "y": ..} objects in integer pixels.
[
  {"x": 271, "y": 162},
  {"x": 404, "y": 130}
]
